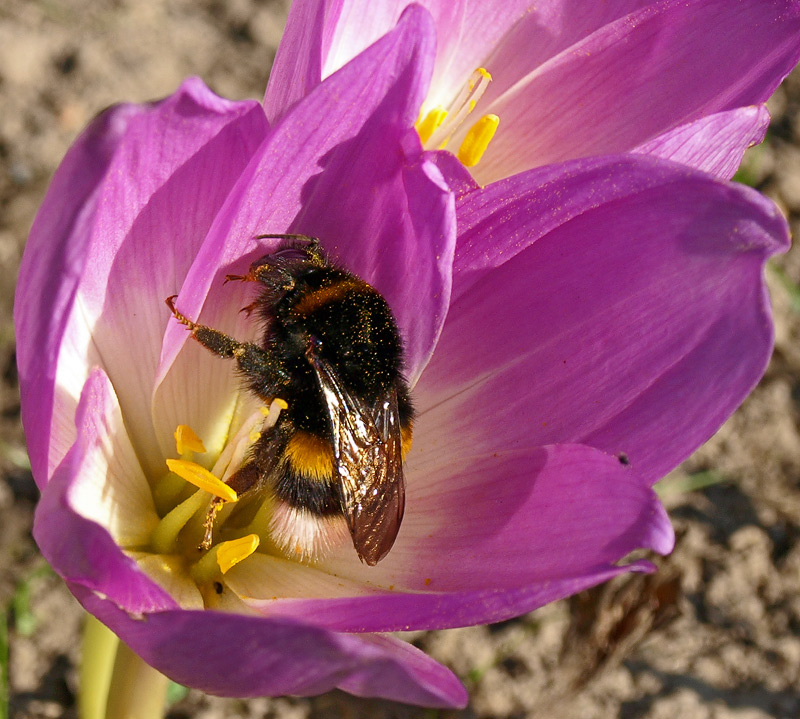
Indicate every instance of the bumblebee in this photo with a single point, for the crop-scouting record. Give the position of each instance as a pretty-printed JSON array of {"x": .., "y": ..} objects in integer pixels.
[{"x": 330, "y": 348}]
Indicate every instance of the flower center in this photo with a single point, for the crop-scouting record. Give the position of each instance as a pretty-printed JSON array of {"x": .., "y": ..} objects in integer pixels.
[
  {"x": 195, "y": 503},
  {"x": 438, "y": 126}
]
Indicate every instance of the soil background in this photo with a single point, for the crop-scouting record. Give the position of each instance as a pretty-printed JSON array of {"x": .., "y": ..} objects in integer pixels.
[{"x": 714, "y": 635}]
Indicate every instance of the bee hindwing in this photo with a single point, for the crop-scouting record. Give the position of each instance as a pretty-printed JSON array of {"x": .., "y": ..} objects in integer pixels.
[{"x": 367, "y": 448}]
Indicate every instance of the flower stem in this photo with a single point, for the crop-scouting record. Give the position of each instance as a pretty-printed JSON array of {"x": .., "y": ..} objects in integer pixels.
[
  {"x": 137, "y": 691},
  {"x": 115, "y": 682},
  {"x": 99, "y": 649}
]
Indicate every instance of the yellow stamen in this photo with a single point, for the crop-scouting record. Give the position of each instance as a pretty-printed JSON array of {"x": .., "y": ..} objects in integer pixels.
[
  {"x": 427, "y": 126},
  {"x": 477, "y": 140},
  {"x": 203, "y": 479},
  {"x": 187, "y": 441},
  {"x": 234, "y": 551},
  {"x": 461, "y": 107}
]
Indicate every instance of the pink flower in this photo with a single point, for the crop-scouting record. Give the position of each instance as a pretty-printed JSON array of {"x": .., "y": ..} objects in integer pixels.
[{"x": 592, "y": 323}]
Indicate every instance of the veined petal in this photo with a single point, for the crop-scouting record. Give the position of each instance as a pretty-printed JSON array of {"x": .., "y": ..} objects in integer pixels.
[
  {"x": 322, "y": 36},
  {"x": 667, "y": 64},
  {"x": 617, "y": 302},
  {"x": 170, "y": 573},
  {"x": 119, "y": 228},
  {"x": 534, "y": 523},
  {"x": 277, "y": 656},
  {"x": 297, "y": 68},
  {"x": 50, "y": 271},
  {"x": 96, "y": 491},
  {"x": 266, "y": 577},
  {"x": 713, "y": 144},
  {"x": 362, "y": 199}
]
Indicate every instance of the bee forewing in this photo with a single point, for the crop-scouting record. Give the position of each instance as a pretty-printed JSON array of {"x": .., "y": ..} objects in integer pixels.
[{"x": 367, "y": 447}]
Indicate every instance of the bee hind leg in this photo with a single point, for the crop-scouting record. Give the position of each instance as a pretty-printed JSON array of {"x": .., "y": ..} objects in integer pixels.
[
  {"x": 242, "y": 481},
  {"x": 245, "y": 478}
]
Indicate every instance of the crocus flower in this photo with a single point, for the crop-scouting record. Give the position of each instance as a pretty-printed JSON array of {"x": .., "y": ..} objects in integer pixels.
[
  {"x": 591, "y": 324},
  {"x": 680, "y": 79}
]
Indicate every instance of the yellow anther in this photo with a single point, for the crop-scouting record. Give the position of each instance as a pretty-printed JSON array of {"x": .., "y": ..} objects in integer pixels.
[
  {"x": 201, "y": 478},
  {"x": 187, "y": 440},
  {"x": 428, "y": 125},
  {"x": 483, "y": 71},
  {"x": 230, "y": 553},
  {"x": 282, "y": 403},
  {"x": 477, "y": 140},
  {"x": 254, "y": 436}
]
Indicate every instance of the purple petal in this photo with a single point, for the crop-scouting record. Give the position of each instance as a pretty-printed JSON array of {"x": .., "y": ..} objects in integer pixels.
[
  {"x": 344, "y": 167},
  {"x": 617, "y": 302},
  {"x": 531, "y": 525},
  {"x": 322, "y": 36},
  {"x": 543, "y": 31},
  {"x": 667, "y": 64},
  {"x": 401, "y": 611},
  {"x": 90, "y": 557},
  {"x": 305, "y": 42},
  {"x": 277, "y": 656},
  {"x": 42, "y": 303},
  {"x": 156, "y": 176},
  {"x": 713, "y": 144}
]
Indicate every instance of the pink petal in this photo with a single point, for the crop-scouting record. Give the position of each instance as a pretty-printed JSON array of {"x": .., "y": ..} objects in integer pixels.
[
  {"x": 664, "y": 65},
  {"x": 304, "y": 46},
  {"x": 713, "y": 144},
  {"x": 51, "y": 269},
  {"x": 159, "y": 182},
  {"x": 65, "y": 527},
  {"x": 276, "y": 656},
  {"x": 322, "y": 36},
  {"x": 617, "y": 302},
  {"x": 529, "y": 526}
]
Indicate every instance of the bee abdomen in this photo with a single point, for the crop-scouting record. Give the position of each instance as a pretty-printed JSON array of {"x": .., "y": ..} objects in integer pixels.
[
  {"x": 307, "y": 480},
  {"x": 310, "y": 456},
  {"x": 308, "y": 519}
]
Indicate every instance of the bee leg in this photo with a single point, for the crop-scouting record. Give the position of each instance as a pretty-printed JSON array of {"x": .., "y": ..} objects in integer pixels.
[
  {"x": 251, "y": 357},
  {"x": 241, "y": 481},
  {"x": 248, "y": 310},
  {"x": 208, "y": 522},
  {"x": 245, "y": 478}
]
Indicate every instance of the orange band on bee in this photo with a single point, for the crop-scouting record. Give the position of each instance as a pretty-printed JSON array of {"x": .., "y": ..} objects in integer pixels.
[
  {"x": 312, "y": 301},
  {"x": 407, "y": 437},
  {"x": 310, "y": 456}
]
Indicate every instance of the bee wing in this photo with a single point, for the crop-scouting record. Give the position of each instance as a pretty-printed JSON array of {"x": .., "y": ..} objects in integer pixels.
[{"x": 367, "y": 447}]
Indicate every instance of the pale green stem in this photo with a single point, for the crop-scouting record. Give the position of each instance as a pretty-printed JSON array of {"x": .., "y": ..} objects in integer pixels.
[
  {"x": 99, "y": 649},
  {"x": 167, "y": 492},
  {"x": 166, "y": 533},
  {"x": 206, "y": 569},
  {"x": 137, "y": 691}
]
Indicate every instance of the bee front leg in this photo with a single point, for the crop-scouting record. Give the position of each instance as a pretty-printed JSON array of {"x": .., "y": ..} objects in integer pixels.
[{"x": 251, "y": 358}]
